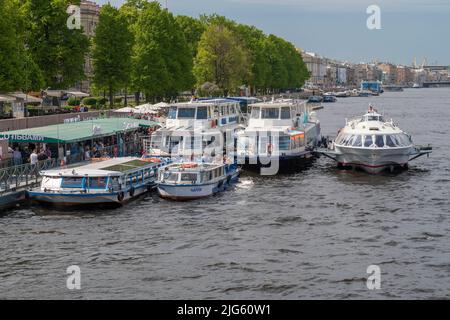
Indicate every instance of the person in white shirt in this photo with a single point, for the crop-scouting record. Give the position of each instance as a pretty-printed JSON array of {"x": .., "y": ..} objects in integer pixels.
[
  {"x": 33, "y": 157},
  {"x": 87, "y": 154}
]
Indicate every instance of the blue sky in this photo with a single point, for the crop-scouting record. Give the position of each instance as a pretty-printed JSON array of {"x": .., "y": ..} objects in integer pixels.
[{"x": 337, "y": 29}]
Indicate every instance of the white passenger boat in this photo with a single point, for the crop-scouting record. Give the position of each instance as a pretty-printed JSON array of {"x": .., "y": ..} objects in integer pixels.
[
  {"x": 189, "y": 181},
  {"x": 279, "y": 133},
  {"x": 195, "y": 127},
  {"x": 372, "y": 144},
  {"x": 111, "y": 181}
]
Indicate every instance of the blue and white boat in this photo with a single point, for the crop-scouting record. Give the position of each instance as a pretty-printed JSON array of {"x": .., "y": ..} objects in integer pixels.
[
  {"x": 189, "y": 181},
  {"x": 108, "y": 181}
]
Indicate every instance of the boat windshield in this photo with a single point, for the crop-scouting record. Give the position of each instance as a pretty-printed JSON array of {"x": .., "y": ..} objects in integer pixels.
[
  {"x": 270, "y": 113},
  {"x": 373, "y": 118},
  {"x": 186, "y": 113},
  {"x": 202, "y": 113}
]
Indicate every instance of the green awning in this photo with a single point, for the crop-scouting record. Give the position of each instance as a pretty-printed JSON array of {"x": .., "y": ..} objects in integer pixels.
[{"x": 76, "y": 131}]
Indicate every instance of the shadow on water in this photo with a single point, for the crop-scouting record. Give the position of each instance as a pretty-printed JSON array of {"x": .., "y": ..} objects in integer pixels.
[
  {"x": 78, "y": 211},
  {"x": 360, "y": 177}
]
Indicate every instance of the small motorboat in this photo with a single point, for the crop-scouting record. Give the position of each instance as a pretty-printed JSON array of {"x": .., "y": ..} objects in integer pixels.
[
  {"x": 191, "y": 180},
  {"x": 365, "y": 93},
  {"x": 373, "y": 144},
  {"x": 329, "y": 98},
  {"x": 342, "y": 94},
  {"x": 315, "y": 99}
]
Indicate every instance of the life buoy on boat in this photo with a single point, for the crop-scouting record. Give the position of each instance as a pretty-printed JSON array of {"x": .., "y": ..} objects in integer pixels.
[
  {"x": 120, "y": 196},
  {"x": 151, "y": 160},
  {"x": 189, "y": 165}
]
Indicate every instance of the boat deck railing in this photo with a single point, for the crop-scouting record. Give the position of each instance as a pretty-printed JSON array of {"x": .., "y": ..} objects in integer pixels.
[{"x": 23, "y": 176}]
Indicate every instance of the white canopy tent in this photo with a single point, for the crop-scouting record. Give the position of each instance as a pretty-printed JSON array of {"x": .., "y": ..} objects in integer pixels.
[
  {"x": 127, "y": 110},
  {"x": 161, "y": 105}
]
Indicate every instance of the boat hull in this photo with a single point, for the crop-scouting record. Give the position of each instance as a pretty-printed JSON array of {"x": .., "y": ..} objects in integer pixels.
[
  {"x": 83, "y": 199},
  {"x": 373, "y": 160},
  {"x": 285, "y": 164},
  {"x": 193, "y": 192}
]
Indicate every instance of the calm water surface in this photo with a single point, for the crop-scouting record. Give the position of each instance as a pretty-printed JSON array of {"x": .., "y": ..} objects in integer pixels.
[{"x": 307, "y": 235}]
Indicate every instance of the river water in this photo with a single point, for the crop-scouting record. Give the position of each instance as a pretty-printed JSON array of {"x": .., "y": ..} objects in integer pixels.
[{"x": 299, "y": 236}]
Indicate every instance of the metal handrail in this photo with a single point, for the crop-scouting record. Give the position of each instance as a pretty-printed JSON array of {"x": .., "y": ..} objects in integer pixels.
[{"x": 23, "y": 176}]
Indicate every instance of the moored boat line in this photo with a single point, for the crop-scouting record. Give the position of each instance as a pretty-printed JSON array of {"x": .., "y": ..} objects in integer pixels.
[{"x": 282, "y": 132}]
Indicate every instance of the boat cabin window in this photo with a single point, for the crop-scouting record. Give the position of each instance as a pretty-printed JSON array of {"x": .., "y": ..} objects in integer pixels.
[
  {"x": 284, "y": 143},
  {"x": 98, "y": 182},
  {"x": 379, "y": 141},
  {"x": 374, "y": 118},
  {"x": 202, "y": 113},
  {"x": 51, "y": 182},
  {"x": 189, "y": 178},
  {"x": 72, "y": 182},
  {"x": 368, "y": 141},
  {"x": 390, "y": 142},
  {"x": 270, "y": 113},
  {"x": 206, "y": 176},
  {"x": 172, "y": 113},
  {"x": 170, "y": 177},
  {"x": 255, "y": 113},
  {"x": 357, "y": 141},
  {"x": 285, "y": 113},
  {"x": 115, "y": 183},
  {"x": 346, "y": 139},
  {"x": 186, "y": 113}
]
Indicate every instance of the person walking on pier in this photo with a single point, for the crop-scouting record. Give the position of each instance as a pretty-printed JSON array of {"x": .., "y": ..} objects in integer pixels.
[
  {"x": 34, "y": 157},
  {"x": 17, "y": 157}
]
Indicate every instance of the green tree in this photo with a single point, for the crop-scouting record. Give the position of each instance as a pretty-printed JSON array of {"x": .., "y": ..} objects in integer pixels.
[
  {"x": 112, "y": 51},
  {"x": 18, "y": 71},
  {"x": 221, "y": 59},
  {"x": 161, "y": 57},
  {"x": 193, "y": 30},
  {"x": 58, "y": 51}
]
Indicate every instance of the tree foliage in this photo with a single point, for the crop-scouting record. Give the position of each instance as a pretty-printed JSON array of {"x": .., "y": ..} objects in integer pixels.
[
  {"x": 273, "y": 63},
  {"x": 112, "y": 51},
  {"x": 162, "y": 64},
  {"x": 58, "y": 51},
  {"x": 141, "y": 47},
  {"x": 221, "y": 59},
  {"x": 18, "y": 70}
]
